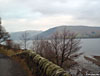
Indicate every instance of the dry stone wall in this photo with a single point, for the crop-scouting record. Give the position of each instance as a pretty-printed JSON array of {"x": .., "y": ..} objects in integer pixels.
[{"x": 41, "y": 66}]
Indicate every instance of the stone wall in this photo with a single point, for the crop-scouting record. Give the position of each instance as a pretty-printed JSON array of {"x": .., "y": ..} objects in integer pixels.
[{"x": 41, "y": 66}]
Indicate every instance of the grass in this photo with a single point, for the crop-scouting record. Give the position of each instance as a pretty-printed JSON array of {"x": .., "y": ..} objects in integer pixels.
[
  {"x": 6, "y": 52},
  {"x": 10, "y": 53},
  {"x": 23, "y": 64}
]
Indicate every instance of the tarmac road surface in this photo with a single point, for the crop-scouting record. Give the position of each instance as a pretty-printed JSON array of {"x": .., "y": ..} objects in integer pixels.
[{"x": 8, "y": 67}]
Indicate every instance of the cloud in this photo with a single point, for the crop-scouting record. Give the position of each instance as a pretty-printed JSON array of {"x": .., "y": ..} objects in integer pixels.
[{"x": 28, "y": 14}]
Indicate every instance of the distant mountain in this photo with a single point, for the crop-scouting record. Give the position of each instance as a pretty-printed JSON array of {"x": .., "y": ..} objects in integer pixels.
[
  {"x": 82, "y": 31},
  {"x": 17, "y": 35}
]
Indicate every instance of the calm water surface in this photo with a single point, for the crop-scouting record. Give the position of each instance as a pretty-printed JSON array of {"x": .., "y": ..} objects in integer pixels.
[{"x": 90, "y": 46}]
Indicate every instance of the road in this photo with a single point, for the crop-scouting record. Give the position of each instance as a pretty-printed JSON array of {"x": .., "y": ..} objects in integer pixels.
[{"x": 8, "y": 67}]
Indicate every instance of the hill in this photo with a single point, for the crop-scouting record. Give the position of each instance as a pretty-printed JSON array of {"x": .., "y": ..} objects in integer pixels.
[
  {"x": 17, "y": 35},
  {"x": 82, "y": 31}
]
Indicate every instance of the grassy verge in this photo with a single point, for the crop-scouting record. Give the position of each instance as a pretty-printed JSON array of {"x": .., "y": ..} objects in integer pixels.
[{"x": 17, "y": 59}]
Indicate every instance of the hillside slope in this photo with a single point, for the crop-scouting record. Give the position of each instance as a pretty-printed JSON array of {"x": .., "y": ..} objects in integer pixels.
[
  {"x": 82, "y": 31},
  {"x": 17, "y": 35}
]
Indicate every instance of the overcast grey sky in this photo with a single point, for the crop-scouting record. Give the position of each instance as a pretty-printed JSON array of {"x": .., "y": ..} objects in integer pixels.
[{"x": 19, "y": 15}]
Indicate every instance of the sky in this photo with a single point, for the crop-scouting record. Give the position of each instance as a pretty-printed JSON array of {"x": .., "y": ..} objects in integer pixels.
[{"x": 20, "y": 15}]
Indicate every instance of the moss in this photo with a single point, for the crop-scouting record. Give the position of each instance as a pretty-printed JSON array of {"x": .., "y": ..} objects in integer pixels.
[{"x": 41, "y": 66}]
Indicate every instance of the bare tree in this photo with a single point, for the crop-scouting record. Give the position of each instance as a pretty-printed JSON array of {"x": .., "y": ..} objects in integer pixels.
[
  {"x": 16, "y": 46},
  {"x": 39, "y": 45},
  {"x": 60, "y": 47},
  {"x": 43, "y": 47},
  {"x": 55, "y": 41},
  {"x": 24, "y": 39},
  {"x": 36, "y": 43},
  {"x": 12, "y": 45},
  {"x": 9, "y": 44},
  {"x": 3, "y": 34},
  {"x": 65, "y": 45}
]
